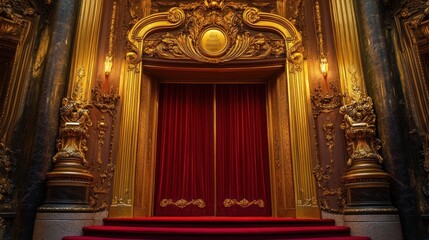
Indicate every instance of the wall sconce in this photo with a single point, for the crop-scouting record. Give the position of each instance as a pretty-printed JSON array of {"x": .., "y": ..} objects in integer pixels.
[
  {"x": 324, "y": 66},
  {"x": 108, "y": 63}
]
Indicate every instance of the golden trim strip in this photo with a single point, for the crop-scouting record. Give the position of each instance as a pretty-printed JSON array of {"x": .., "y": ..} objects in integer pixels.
[
  {"x": 182, "y": 203},
  {"x": 244, "y": 203}
]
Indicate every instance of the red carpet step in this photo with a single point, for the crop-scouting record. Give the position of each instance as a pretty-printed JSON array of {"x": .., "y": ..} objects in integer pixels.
[{"x": 225, "y": 228}]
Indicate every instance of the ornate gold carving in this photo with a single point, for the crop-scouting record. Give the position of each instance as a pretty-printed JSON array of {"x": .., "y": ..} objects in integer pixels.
[
  {"x": 70, "y": 164},
  {"x": 73, "y": 131},
  {"x": 182, "y": 203},
  {"x": 309, "y": 202},
  {"x": 121, "y": 201},
  {"x": 10, "y": 29},
  {"x": 14, "y": 9},
  {"x": 412, "y": 24},
  {"x": 244, "y": 203},
  {"x": 365, "y": 172},
  {"x": 319, "y": 31},
  {"x": 326, "y": 103},
  {"x": 106, "y": 103},
  {"x": 213, "y": 42},
  {"x": 7, "y": 184},
  {"x": 223, "y": 22},
  {"x": 359, "y": 126}
]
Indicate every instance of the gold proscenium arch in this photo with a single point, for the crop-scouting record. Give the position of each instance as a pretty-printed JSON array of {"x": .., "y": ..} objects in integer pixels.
[{"x": 288, "y": 108}]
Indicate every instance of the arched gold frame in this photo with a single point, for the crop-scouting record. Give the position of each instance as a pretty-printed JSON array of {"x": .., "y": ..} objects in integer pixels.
[{"x": 289, "y": 102}]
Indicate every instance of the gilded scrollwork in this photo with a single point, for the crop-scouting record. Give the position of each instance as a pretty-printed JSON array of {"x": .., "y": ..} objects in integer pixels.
[
  {"x": 73, "y": 130},
  {"x": 244, "y": 203},
  {"x": 228, "y": 18},
  {"x": 105, "y": 102},
  {"x": 182, "y": 203},
  {"x": 102, "y": 171},
  {"x": 14, "y": 9},
  {"x": 327, "y": 103},
  {"x": 7, "y": 184},
  {"x": 359, "y": 126}
]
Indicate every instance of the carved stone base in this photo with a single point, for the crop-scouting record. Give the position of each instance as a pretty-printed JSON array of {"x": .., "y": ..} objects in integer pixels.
[
  {"x": 375, "y": 226},
  {"x": 58, "y": 225}
]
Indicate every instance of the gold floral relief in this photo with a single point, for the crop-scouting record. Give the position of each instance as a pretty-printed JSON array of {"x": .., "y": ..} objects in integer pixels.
[
  {"x": 214, "y": 33},
  {"x": 244, "y": 203},
  {"x": 182, "y": 203}
]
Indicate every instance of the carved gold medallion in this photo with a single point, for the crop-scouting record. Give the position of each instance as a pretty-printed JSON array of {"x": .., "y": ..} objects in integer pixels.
[{"x": 213, "y": 42}]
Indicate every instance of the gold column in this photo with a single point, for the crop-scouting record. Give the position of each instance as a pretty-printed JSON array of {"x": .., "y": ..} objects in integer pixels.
[
  {"x": 302, "y": 154},
  {"x": 123, "y": 189},
  {"x": 86, "y": 47},
  {"x": 347, "y": 47}
]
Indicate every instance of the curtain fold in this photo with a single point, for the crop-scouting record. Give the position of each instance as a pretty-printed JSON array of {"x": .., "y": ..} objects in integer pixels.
[
  {"x": 185, "y": 152},
  {"x": 242, "y": 151}
]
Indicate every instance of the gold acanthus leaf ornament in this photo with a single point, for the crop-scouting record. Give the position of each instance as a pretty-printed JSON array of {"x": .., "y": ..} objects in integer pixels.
[
  {"x": 359, "y": 126},
  {"x": 244, "y": 203},
  {"x": 182, "y": 203},
  {"x": 225, "y": 20}
]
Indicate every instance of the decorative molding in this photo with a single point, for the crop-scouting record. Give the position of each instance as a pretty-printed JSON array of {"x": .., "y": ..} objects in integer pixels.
[
  {"x": 15, "y": 9},
  {"x": 121, "y": 201},
  {"x": 211, "y": 26},
  {"x": 244, "y": 203},
  {"x": 326, "y": 103},
  {"x": 365, "y": 173},
  {"x": 359, "y": 126},
  {"x": 7, "y": 184},
  {"x": 73, "y": 132},
  {"x": 103, "y": 172},
  {"x": 105, "y": 102},
  {"x": 182, "y": 203},
  {"x": 411, "y": 40}
]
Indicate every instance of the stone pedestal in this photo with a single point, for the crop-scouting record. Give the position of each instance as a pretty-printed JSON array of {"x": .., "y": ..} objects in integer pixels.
[
  {"x": 54, "y": 225},
  {"x": 375, "y": 226}
]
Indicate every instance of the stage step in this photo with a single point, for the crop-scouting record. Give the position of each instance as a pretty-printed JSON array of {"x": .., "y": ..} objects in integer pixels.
[
  {"x": 224, "y": 228},
  {"x": 225, "y": 222}
]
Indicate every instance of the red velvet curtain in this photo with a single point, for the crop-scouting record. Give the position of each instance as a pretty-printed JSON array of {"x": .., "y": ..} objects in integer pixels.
[
  {"x": 185, "y": 151},
  {"x": 242, "y": 176},
  {"x": 188, "y": 173}
]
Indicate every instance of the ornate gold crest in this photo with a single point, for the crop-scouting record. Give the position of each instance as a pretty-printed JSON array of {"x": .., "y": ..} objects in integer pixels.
[{"x": 214, "y": 32}]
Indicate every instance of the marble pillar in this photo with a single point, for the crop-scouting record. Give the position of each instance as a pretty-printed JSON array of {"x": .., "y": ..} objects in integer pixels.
[
  {"x": 383, "y": 87},
  {"x": 52, "y": 89}
]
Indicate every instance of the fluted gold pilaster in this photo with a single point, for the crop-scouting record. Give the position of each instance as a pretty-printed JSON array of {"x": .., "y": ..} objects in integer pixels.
[
  {"x": 300, "y": 125},
  {"x": 346, "y": 43},
  {"x": 86, "y": 47},
  {"x": 123, "y": 189}
]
